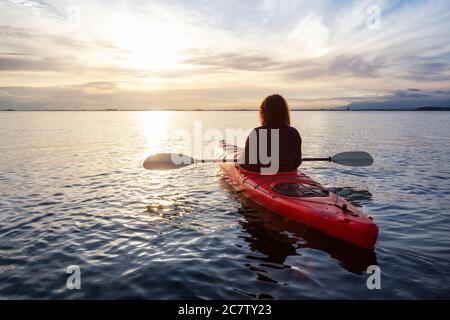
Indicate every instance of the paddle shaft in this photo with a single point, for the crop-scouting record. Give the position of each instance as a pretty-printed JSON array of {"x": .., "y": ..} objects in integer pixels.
[
  {"x": 317, "y": 159},
  {"x": 328, "y": 159}
]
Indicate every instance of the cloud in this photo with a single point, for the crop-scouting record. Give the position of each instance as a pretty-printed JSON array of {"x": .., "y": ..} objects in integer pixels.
[
  {"x": 30, "y": 3},
  {"x": 342, "y": 65},
  {"x": 441, "y": 92},
  {"x": 15, "y": 32},
  {"x": 14, "y": 54},
  {"x": 439, "y": 71},
  {"x": 21, "y": 64},
  {"x": 310, "y": 37},
  {"x": 410, "y": 93},
  {"x": 346, "y": 65},
  {"x": 237, "y": 61},
  {"x": 98, "y": 85}
]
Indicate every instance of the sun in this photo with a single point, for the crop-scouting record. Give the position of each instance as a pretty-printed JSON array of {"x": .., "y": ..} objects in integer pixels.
[{"x": 153, "y": 51}]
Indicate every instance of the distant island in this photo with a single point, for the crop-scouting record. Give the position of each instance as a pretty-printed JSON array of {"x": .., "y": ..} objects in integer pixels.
[
  {"x": 407, "y": 104},
  {"x": 433, "y": 109},
  {"x": 395, "y": 109}
]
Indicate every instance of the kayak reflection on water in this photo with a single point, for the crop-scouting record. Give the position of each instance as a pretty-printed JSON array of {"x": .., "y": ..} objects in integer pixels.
[{"x": 273, "y": 238}]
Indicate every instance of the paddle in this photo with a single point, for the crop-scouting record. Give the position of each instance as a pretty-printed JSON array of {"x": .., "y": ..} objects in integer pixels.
[{"x": 164, "y": 161}]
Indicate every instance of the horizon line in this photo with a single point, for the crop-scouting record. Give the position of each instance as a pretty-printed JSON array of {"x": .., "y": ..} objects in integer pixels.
[{"x": 430, "y": 108}]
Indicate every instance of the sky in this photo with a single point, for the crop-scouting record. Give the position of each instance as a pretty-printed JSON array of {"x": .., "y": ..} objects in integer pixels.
[{"x": 218, "y": 54}]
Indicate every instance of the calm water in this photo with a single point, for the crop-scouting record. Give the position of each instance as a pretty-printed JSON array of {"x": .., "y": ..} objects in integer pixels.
[{"x": 73, "y": 192}]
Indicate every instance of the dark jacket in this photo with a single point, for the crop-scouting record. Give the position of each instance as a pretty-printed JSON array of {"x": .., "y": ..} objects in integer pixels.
[{"x": 290, "y": 149}]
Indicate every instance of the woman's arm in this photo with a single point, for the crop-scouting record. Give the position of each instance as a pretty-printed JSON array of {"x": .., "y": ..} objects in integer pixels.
[
  {"x": 296, "y": 145},
  {"x": 299, "y": 150}
]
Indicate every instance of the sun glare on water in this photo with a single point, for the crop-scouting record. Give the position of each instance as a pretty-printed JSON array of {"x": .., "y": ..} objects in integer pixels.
[{"x": 155, "y": 125}]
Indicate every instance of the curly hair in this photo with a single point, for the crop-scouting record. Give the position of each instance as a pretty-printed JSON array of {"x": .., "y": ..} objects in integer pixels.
[{"x": 274, "y": 112}]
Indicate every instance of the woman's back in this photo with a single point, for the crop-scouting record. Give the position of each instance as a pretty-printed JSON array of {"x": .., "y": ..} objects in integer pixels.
[
  {"x": 287, "y": 153},
  {"x": 275, "y": 144}
]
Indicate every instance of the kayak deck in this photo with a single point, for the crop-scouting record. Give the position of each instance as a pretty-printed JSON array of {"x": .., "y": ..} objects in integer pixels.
[{"x": 301, "y": 199}]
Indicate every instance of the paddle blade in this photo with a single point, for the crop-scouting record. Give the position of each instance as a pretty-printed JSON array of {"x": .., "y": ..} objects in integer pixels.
[
  {"x": 165, "y": 161},
  {"x": 353, "y": 159}
]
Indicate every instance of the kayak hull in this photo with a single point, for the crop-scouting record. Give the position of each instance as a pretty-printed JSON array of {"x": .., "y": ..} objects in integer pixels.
[{"x": 327, "y": 213}]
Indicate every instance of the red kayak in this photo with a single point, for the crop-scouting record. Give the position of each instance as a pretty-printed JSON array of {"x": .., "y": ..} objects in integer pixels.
[{"x": 301, "y": 199}]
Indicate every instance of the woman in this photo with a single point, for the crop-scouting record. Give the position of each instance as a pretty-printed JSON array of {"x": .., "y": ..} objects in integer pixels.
[{"x": 275, "y": 146}]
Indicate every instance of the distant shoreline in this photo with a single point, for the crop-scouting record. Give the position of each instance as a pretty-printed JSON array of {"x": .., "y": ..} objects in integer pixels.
[{"x": 221, "y": 110}]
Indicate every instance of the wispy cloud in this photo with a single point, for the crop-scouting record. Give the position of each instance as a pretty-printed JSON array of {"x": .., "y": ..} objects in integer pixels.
[
  {"x": 232, "y": 60},
  {"x": 30, "y": 3},
  {"x": 13, "y": 54}
]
